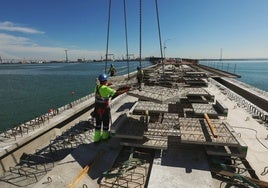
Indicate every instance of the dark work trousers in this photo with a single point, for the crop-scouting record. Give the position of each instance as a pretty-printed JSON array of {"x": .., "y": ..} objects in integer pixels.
[
  {"x": 103, "y": 118},
  {"x": 139, "y": 80}
]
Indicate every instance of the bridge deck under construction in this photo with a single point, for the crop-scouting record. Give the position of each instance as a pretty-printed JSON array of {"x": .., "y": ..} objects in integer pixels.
[
  {"x": 173, "y": 126},
  {"x": 169, "y": 116}
]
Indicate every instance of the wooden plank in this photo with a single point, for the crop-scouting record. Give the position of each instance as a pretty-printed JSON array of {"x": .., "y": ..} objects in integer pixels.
[
  {"x": 85, "y": 170},
  {"x": 79, "y": 177},
  {"x": 211, "y": 126}
]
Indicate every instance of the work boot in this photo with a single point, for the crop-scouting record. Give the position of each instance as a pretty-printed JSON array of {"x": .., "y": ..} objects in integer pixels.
[
  {"x": 97, "y": 136},
  {"x": 105, "y": 135}
]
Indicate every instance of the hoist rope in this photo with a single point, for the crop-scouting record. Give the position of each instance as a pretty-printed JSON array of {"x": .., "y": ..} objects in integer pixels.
[
  {"x": 140, "y": 28},
  {"x": 125, "y": 18},
  {"x": 126, "y": 34},
  {"x": 108, "y": 33},
  {"x": 159, "y": 33}
]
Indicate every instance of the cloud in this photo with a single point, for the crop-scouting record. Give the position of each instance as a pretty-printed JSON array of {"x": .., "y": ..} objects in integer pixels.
[
  {"x": 6, "y": 39},
  {"x": 15, "y": 47},
  {"x": 20, "y": 47},
  {"x": 9, "y": 26}
]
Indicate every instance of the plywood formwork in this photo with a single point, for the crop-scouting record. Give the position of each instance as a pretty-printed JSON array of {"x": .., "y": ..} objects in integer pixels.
[
  {"x": 157, "y": 94},
  {"x": 129, "y": 126},
  {"x": 197, "y": 131},
  {"x": 201, "y": 109},
  {"x": 195, "y": 91},
  {"x": 188, "y": 130},
  {"x": 152, "y": 143},
  {"x": 149, "y": 106},
  {"x": 195, "y": 81},
  {"x": 190, "y": 92},
  {"x": 155, "y": 108},
  {"x": 157, "y": 133}
]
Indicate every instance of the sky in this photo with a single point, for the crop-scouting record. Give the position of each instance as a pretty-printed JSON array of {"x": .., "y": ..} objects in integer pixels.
[{"x": 47, "y": 29}]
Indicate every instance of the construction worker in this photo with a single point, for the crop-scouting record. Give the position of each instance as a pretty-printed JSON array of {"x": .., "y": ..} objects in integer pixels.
[
  {"x": 112, "y": 70},
  {"x": 139, "y": 76},
  {"x": 103, "y": 93}
]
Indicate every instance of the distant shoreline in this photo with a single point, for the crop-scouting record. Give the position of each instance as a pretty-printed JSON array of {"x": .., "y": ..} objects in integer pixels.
[
  {"x": 47, "y": 62},
  {"x": 16, "y": 61},
  {"x": 124, "y": 60}
]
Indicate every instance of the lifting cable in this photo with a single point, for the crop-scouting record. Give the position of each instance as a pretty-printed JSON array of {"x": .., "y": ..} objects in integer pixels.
[
  {"x": 108, "y": 32},
  {"x": 126, "y": 36},
  {"x": 140, "y": 28},
  {"x": 159, "y": 33},
  {"x": 125, "y": 18}
]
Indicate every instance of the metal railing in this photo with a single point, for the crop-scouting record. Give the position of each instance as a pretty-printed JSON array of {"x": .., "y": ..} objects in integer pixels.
[{"x": 29, "y": 126}]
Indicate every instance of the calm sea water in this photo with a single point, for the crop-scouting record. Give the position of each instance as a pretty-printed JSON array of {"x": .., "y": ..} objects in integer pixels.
[
  {"x": 30, "y": 90},
  {"x": 254, "y": 73}
]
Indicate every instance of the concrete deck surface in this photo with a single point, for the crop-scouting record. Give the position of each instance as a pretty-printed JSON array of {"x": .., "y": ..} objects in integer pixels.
[
  {"x": 103, "y": 154},
  {"x": 253, "y": 133},
  {"x": 185, "y": 166}
]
